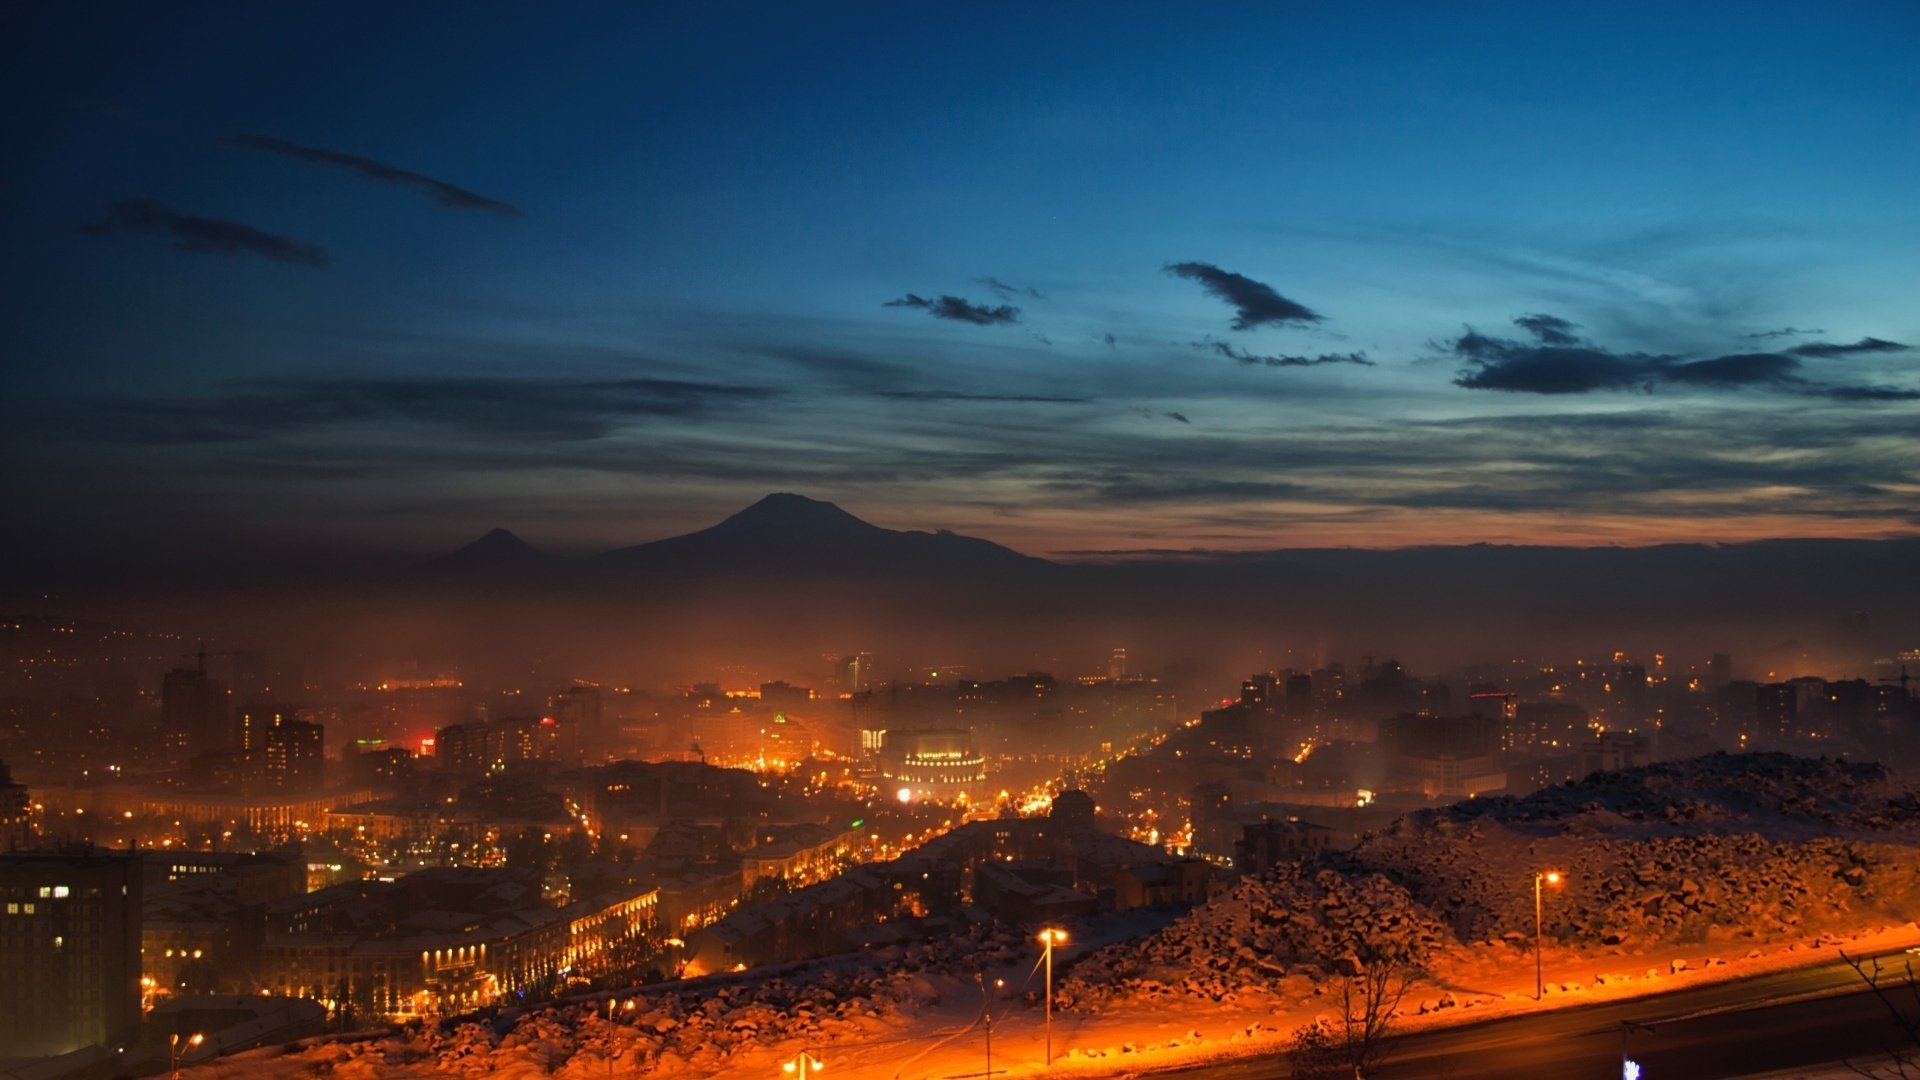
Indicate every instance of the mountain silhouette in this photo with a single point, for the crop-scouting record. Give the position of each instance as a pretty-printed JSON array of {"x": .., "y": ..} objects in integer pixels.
[
  {"x": 498, "y": 556},
  {"x": 793, "y": 535}
]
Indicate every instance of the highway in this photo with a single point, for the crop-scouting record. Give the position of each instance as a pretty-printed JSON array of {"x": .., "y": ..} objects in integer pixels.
[{"x": 1809, "y": 1016}]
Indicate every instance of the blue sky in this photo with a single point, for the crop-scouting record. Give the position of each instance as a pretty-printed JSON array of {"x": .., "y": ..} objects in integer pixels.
[{"x": 359, "y": 279}]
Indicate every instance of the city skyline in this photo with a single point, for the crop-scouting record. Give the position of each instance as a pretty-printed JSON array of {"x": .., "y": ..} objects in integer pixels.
[{"x": 1288, "y": 279}]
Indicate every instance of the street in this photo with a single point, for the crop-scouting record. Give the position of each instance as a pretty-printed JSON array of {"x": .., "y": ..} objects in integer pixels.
[{"x": 1823, "y": 1014}]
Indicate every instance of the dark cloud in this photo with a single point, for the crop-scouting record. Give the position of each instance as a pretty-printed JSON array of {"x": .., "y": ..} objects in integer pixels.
[
  {"x": 1825, "y": 349},
  {"x": 211, "y": 236},
  {"x": 1548, "y": 329},
  {"x": 443, "y": 193},
  {"x": 1538, "y": 369},
  {"x": 1227, "y": 350},
  {"x": 956, "y": 395},
  {"x": 1008, "y": 292},
  {"x": 959, "y": 310},
  {"x": 1744, "y": 369},
  {"x": 1254, "y": 303},
  {"x": 1110, "y": 341},
  {"x": 1785, "y": 331},
  {"x": 1177, "y": 416},
  {"x": 492, "y": 408},
  {"x": 1869, "y": 393},
  {"x": 1492, "y": 363}
]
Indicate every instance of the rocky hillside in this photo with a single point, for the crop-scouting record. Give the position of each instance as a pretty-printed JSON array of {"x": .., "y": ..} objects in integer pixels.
[{"x": 1718, "y": 849}]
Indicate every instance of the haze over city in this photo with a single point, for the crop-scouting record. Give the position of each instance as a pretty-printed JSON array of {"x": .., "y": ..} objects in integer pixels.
[{"x": 1296, "y": 539}]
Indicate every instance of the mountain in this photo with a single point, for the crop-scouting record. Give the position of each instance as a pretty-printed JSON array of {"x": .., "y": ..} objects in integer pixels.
[
  {"x": 789, "y": 534},
  {"x": 498, "y": 556}
]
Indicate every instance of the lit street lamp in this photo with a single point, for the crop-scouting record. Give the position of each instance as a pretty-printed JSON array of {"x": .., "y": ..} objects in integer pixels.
[
  {"x": 1551, "y": 877},
  {"x": 175, "y": 1053},
  {"x": 1049, "y": 938},
  {"x": 986, "y": 1012},
  {"x": 803, "y": 1065}
]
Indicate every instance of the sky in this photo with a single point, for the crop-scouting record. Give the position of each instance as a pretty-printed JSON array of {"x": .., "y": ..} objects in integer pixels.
[{"x": 352, "y": 281}]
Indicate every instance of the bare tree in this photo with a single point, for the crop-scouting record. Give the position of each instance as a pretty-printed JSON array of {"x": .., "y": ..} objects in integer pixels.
[
  {"x": 1900, "y": 994},
  {"x": 1374, "y": 978}
]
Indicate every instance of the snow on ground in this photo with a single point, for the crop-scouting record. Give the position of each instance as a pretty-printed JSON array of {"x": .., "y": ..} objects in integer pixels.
[{"x": 1678, "y": 875}]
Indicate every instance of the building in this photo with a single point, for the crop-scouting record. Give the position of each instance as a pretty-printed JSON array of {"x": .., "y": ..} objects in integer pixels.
[
  {"x": 69, "y": 951},
  {"x": 193, "y": 713},
  {"x": 1612, "y": 751},
  {"x": 492, "y": 745},
  {"x": 1264, "y": 845},
  {"x": 255, "y": 718},
  {"x": 939, "y": 761},
  {"x": 294, "y": 756},
  {"x": 1443, "y": 756}
]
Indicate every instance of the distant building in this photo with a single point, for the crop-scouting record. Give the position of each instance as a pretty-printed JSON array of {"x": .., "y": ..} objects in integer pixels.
[
  {"x": 1264, "y": 845},
  {"x": 1117, "y": 664},
  {"x": 1611, "y": 751},
  {"x": 255, "y": 718},
  {"x": 194, "y": 713},
  {"x": 1777, "y": 709},
  {"x": 1072, "y": 811},
  {"x": 1443, "y": 756},
  {"x": 934, "y": 759},
  {"x": 69, "y": 951},
  {"x": 294, "y": 756}
]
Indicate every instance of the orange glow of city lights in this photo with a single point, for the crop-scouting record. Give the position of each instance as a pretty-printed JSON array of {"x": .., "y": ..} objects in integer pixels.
[{"x": 1553, "y": 877}]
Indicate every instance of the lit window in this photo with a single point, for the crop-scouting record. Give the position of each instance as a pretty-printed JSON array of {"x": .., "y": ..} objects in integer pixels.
[{"x": 61, "y": 892}]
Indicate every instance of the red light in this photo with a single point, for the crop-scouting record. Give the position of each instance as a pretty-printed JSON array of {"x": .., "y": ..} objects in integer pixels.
[
  {"x": 426, "y": 746},
  {"x": 546, "y": 721}
]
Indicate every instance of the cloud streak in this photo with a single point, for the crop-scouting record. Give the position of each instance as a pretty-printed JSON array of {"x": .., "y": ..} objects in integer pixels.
[
  {"x": 956, "y": 309},
  {"x": 203, "y": 235},
  {"x": 1559, "y": 362},
  {"x": 1254, "y": 303},
  {"x": 451, "y": 196},
  {"x": 1008, "y": 292},
  {"x": 556, "y": 411},
  {"x": 1822, "y": 350},
  {"x": 1242, "y": 356}
]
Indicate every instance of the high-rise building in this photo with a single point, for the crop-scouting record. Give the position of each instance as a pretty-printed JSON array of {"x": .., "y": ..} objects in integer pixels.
[
  {"x": 255, "y": 718},
  {"x": 1117, "y": 664},
  {"x": 854, "y": 672},
  {"x": 69, "y": 951},
  {"x": 294, "y": 756},
  {"x": 15, "y": 821},
  {"x": 194, "y": 715},
  {"x": 581, "y": 716}
]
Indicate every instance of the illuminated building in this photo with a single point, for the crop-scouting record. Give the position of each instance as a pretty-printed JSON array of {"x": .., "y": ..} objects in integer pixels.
[
  {"x": 939, "y": 760},
  {"x": 254, "y": 719},
  {"x": 438, "y": 941},
  {"x": 69, "y": 951},
  {"x": 294, "y": 755}
]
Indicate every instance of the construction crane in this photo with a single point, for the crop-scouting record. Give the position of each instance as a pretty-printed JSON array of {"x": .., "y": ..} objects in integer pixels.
[{"x": 199, "y": 656}]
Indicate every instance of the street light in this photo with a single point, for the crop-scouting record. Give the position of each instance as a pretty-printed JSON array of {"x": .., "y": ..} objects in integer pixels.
[
  {"x": 175, "y": 1053},
  {"x": 986, "y": 1011},
  {"x": 1551, "y": 877},
  {"x": 1049, "y": 938},
  {"x": 803, "y": 1065}
]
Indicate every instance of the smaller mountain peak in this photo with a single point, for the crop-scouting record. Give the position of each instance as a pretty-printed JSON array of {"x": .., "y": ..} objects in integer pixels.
[{"x": 500, "y": 540}]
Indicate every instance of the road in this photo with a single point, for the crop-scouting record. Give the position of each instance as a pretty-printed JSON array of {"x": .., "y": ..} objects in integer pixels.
[{"x": 1809, "y": 1016}]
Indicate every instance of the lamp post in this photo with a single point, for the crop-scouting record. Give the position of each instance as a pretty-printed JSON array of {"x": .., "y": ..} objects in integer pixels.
[
  {"x": 175, "y": 1053},
  {"x": 1049, "y": 938},
  {"x": 1550, "y": 877},
  {"x": 802, "y": 1066},
  {"x": 986, "y": 1012}
]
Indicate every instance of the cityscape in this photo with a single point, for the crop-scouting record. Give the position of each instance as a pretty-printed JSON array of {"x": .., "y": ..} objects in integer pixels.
[{"x": 779, "y": 541}]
